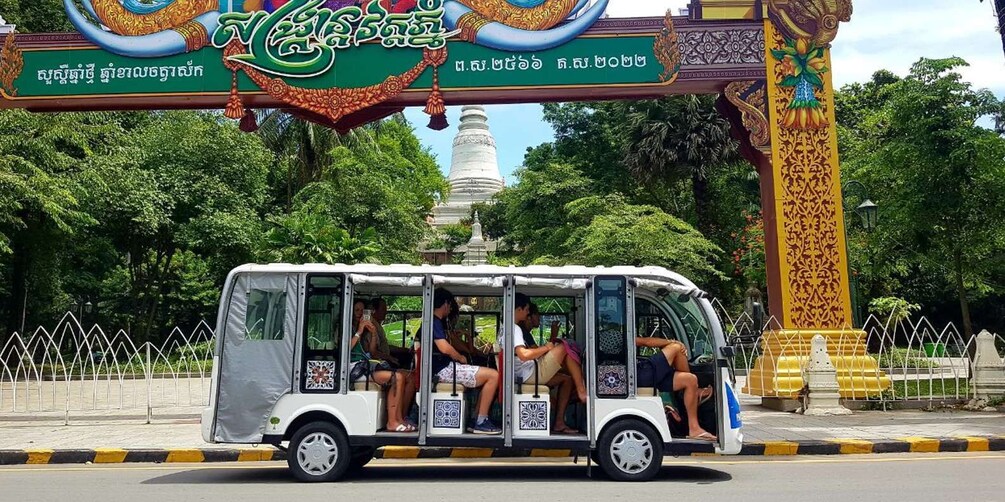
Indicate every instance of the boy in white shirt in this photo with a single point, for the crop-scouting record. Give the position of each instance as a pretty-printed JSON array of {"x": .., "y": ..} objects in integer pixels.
[{"x": 548, "y": 358}]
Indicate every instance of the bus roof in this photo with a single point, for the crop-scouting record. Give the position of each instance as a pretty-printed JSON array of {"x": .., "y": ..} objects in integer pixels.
[{"x": 652, "y": 273}]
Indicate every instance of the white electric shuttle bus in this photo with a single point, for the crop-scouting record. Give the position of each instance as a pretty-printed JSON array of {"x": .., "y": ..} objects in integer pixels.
[{"x": 281, "y": 374}]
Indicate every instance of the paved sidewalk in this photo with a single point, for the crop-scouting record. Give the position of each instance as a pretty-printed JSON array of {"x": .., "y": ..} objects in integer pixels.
[{"x": 179, "y": 428}]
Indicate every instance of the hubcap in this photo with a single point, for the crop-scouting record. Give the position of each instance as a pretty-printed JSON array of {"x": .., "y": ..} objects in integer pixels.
[
  {"x": 632, "y": 452},
  {"x": 317, "y": 453}
]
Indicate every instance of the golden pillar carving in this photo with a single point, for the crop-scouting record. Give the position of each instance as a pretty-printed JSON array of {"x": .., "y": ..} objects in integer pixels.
[{"x": 801, "y": 199}]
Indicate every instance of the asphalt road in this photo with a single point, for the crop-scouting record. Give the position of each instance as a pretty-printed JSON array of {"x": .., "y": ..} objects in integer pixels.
[{"x": 916, "y": 478}]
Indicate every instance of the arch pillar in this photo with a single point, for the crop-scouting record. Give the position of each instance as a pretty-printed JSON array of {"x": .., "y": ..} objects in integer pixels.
[{"x": 787, "y": 129}]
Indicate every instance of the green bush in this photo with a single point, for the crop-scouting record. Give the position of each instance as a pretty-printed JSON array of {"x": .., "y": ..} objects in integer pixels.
[{"x": 904, "y": 358}]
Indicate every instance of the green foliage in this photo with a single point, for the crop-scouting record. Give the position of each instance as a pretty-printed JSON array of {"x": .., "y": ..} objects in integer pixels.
[
  {"x": 608, "y": 231},
  {"x": 143, "y": 214},
  {"x": 894, "y": 358},
  {"x": 937, "y": 176},
  {"x": 305, "y": 237},
  {"x": 33, "y": 16},
  {"x": 893, "y": 308}
]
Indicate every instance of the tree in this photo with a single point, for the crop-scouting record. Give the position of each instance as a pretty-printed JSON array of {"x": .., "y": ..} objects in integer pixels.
[
  {"x": 608, "y": 231},
  {"x": 304, "y": 149},
  {"x": 679, "y": 138},
  {"x": 391, "y": 188},
  {"x": 179, "y": 202},
  {"x": 40, "y": 157},
  {"x": 306, "y": 237},
  {"x": 35, "y": 17},
  {"x": 924, "y": 134},
  {"x": 535, "y": 212}
]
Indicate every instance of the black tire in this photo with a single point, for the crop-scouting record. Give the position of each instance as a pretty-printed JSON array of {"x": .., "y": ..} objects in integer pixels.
[
  {"x": 360, "y": 457},
  {"x": 319, "y": 452},
  {"x": 630, "y": 450}
]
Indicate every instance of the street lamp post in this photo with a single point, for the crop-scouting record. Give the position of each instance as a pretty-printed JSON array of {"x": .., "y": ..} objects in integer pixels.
[
  {"x": 868, "y": 211},
  {"x": 81, "y": 307}
]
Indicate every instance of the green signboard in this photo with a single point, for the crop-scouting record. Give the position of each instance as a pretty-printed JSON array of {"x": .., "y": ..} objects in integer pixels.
[
  {"x": 331, "y": 58},
  {"x": 91, "y": 72}
]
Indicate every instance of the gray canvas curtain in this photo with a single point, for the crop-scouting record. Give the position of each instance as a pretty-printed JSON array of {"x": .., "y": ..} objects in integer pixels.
[{"x": 256, "y": 360}]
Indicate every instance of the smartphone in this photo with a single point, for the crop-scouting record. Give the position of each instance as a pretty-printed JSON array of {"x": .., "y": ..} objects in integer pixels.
[{"x": 367, "y": 314}]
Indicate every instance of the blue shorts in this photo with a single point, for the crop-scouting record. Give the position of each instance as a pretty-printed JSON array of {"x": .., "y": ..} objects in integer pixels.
[{"x": 656, "y": 372}]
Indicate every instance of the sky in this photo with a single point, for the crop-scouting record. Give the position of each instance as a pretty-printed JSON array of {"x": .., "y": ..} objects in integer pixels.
[{"x": 883, "y": 34}]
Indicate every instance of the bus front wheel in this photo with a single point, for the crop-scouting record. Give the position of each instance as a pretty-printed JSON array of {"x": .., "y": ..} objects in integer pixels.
[
  {"x": 630, "y": 450},
  {"x": 319, "y": 452}
]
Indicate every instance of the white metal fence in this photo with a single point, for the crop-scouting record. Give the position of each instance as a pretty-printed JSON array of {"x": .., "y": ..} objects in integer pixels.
[
  {"x": 923, "y": 362},
  {"x": 70, "y": 369},
  {"x": 90, "y": 371}
]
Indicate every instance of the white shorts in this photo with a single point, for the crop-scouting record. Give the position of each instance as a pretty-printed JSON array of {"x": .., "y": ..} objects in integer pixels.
[{"x": 466, "y": 375}]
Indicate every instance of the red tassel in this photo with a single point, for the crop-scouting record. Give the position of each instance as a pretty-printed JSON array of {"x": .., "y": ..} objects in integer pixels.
[
  {"x": 249, "y": 123},
  {"x": 235, "y": 108},
  {"x": 436, "y": 108}
]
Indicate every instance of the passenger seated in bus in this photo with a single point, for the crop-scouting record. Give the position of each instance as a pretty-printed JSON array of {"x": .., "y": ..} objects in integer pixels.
[
  {"x": 462, "y": 340},
  {"x": 548, "y": 358},
  {"x": 561, "y": 381},
  {"x": 397, "y": 358},
  {"x": 472, "y": 377},
  {"x": 668, "y": 371},
  {"x": 361, "y": 346}
]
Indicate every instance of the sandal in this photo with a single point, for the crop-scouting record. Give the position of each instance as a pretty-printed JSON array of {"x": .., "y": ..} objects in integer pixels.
[
  {"x": 567, "y": 430},
  {"x": 404, "y": 427},
  {"x": 672, "y": 413},
  {"x": 703, "y": 399},
  {"x": 704, "y": 436}
]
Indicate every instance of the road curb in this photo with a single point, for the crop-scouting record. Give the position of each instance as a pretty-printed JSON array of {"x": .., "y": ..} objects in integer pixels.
[{"x": 218, "y": 455}]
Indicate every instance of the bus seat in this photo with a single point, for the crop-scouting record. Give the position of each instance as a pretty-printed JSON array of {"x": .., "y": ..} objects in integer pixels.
[{"x": 647, "y": 392}]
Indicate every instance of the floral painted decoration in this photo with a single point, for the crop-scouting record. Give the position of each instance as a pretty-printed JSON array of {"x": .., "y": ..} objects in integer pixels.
[{"x": 803, "y": 66}]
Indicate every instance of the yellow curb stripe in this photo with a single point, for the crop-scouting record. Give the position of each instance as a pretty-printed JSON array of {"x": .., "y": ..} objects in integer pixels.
[
  {"x": 109, "y": 455},
  {"x": 401, "y": 452},
  {"x": 977, "y": 443},
  {"x": 704, "y": 454},
  {"x": 185, "y": 456},
  {"x": 854, "y": 446},
  {"x": 550, "y": 453},
  {"x": 773, "y": 448},
  {"x": 922, "y": 445},
  {"x": 254, "y": 455},
  {"x": 471, "y": 453},
  {"x": 38, "y": 456}
]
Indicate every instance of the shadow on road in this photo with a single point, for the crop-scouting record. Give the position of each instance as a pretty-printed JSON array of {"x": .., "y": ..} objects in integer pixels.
[{"x": 385, "y": 474}]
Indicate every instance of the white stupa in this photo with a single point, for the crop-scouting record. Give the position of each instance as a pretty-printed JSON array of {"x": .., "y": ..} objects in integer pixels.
[{"x": 474, "y": 169}]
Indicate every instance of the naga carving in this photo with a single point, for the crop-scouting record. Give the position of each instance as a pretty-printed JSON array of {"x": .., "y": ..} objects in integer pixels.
[{"x": 814, "y": 20}]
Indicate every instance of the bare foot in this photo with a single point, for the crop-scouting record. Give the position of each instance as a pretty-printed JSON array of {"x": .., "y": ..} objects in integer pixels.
[{"x": 583, "y": 396}]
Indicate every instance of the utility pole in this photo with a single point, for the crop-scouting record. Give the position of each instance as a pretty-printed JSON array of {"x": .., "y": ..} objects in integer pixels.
[
  {"x": 999, "y": 6},
  {"x": 1000, "y": 11}
]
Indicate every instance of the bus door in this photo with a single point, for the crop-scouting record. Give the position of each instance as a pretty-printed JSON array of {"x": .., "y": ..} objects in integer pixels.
[
  {"x": 256, "y": 355},
  {"x": 320, "y": 370}
]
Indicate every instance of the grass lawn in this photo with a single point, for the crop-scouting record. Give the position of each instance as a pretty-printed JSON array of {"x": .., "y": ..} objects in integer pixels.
[
  {"x": 923, "y": 388},
  {"x": 485, "y": 326}
]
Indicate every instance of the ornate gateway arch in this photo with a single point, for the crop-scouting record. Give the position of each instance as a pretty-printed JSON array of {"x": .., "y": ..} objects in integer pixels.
[{"x": 343, "y": 63}]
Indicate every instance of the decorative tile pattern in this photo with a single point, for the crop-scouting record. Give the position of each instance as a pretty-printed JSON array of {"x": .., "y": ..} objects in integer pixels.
[
  {"x": 611, "y": 341},
  {"x": 722, "y": 47},
  {"x": 320, "y": 375},
  {"x": 447, "y": 413},
  {"x": 534, "y": 416},
  {"x": 612, "y": 380}
]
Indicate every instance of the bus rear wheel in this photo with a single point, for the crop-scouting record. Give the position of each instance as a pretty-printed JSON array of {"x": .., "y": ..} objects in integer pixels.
[
  {"x": 319, "y": 452},
  {"x": 630, "y": 450}
]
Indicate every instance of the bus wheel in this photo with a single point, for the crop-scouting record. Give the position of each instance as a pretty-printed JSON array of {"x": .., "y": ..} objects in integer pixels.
[
  {"x": 630, "y": 450},
  {"x": 319, "y": 451}
]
